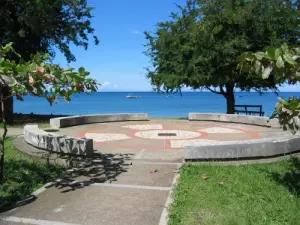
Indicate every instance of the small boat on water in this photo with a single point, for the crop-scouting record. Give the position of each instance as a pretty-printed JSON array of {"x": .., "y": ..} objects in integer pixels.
[{"x": 132, "y": 96}]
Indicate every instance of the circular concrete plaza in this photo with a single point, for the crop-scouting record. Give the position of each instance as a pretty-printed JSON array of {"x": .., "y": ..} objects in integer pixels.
[{"x": 165, "y": 134}]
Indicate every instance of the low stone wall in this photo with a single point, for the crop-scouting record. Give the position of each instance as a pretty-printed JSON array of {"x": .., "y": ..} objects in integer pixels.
[
  {"x": 98, "y": 118},
  {"x": 225, "y": 150},
  {"x": 259, "y": 148},
  {"x": 57, "y": 143},
  {"x": 234, "y": 118}
]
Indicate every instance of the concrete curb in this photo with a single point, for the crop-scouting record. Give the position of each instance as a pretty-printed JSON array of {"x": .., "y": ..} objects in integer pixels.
[
  {"x": 238, "y": 150},
  {"x": 97, "y": 118},
  {"x": 250, "y": 149},
  {"x": 164, "y": 218}
]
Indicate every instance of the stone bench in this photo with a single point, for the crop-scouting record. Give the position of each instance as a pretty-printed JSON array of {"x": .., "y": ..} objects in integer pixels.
[
  {"x": 57, "y": 143},
  {"x": 234, "y": 118},
  {"x": 97, "y": 118},
  {"x": 259, "y": 148}
]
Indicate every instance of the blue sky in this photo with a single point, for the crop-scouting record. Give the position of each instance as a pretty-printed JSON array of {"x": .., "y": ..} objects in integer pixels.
[{"x": 118, "y": 61}]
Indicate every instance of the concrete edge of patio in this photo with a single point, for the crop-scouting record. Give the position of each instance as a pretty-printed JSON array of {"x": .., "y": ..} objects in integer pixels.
[
  {"x": 233, "y": 150},
  {"x": 97, "y": 118},
  {"x": 235, "y": 118}
]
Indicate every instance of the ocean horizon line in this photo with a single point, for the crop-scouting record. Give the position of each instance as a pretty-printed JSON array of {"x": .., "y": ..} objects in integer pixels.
[{"x": 132, "y": 92}]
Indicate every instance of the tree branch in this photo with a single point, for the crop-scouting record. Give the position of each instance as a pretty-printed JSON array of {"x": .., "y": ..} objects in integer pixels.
[
  {"x": 7, "y": 97},
  {"x": 222, "y": 90},
  {"x": 214, "y": 91}
]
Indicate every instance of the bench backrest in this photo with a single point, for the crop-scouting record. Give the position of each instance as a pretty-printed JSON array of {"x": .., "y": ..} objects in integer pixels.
[{"x": 249, "y": 109}]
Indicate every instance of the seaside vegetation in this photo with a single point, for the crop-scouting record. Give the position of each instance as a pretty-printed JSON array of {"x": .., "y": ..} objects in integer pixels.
[{"x": 198, "y": 47}]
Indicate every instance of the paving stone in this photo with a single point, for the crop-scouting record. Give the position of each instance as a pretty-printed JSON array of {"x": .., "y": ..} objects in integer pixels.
[{"x": 96, "y": 205}]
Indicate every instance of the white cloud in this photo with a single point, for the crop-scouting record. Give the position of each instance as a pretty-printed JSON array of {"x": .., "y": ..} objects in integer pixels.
[
  {"x": 108, "y": 85},
  {"x": 136, "y": 32}
]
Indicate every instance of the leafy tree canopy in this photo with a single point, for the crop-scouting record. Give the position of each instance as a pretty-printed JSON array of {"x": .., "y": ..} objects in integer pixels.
[
  {"x": 38, "y": 25},
  {"x": 198, "y": 46}
]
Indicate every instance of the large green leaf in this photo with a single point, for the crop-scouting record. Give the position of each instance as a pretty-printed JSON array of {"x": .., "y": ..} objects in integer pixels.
[
  {"x": 257, "y": 66},
  {"x": 289, "y": 59},
  {"x": 278, "y": 52},
  {"x": 267, "y": 71},
  {"x": 260, "y": 55},
  {"x": 284, "y": 47},
  {"x": 8, "y": 80},
  {"x": 280, "y": 62}
]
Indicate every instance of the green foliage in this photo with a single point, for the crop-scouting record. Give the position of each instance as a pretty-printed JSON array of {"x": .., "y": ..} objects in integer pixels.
[
  {"x": 288, "y": 113},
  {"x": 36, "y": 26},
  {"x": 283, "y": 64},
  {"x": 238, "y": 195},
  {"x": 199, "y": 45},
  {"x": 39, "y": 78},
  {"x": 23, "y": 175}
]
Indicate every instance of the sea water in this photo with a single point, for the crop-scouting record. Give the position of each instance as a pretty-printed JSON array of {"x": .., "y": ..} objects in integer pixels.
[{"x": 156, "y": 105}]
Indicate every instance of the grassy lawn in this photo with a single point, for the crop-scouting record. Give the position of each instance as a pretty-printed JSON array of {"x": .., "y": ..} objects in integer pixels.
[
  {"x": 247, "y": 194},
  {"x": 22, "y": 124},
  {"x": 23, "y": 175}
]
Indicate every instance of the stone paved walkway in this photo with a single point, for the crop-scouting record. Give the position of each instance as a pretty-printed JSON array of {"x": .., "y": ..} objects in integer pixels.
[
  {"x": 128, "y": 189},
  {"x": 13, "y": 132},
  {"x": 132, "y": 187},
  {"x": 133, "y": 195}
]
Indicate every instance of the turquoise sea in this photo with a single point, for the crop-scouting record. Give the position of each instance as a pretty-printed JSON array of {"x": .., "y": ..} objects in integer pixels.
[{"x": 156, "y": 105}]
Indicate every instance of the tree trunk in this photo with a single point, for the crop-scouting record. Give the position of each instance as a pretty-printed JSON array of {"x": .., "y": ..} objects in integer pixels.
[
  {"x": 231, "y": 4},
  {"x": 2, "y": 143},
  {"x": 9, "y": 110},
  {"x": 230, "y": 99},
  {"x": 9, "y": 107},
  {"x": 2, "y": 163}
]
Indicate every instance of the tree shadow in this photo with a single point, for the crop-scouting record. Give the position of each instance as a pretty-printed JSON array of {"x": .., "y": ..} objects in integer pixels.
[
  {"x": 290, "y": 179},
  {"x": 102, "y": 168},
  {"x": 24, "y": 174}
]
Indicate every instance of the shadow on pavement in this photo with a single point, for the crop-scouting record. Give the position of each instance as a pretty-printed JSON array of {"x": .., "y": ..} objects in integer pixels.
[{"x": 102, "y": 168}]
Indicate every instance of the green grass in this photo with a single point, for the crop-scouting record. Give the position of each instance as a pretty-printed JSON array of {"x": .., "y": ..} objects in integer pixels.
[
  {"x": 22, "y": 124},
  {"x": 23, "y": 175},
  {"x": 250, "y": 194}
]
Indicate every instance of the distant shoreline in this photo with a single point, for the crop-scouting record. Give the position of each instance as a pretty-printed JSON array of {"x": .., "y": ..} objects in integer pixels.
[{"x": 34, "y": 118}]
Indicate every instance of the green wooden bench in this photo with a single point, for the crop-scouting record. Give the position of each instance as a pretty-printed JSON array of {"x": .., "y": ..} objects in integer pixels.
[{"x": 249, "y": 109}]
